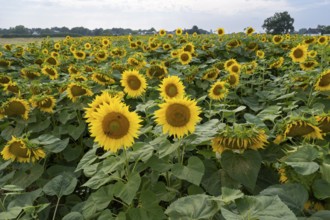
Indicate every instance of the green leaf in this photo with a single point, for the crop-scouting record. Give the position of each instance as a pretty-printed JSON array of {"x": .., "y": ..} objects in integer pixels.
[
  {"x": 141, "y": 151},
  {"x": 270, "y": 113},
  {"x": 4, "y": 164},
  {"x": 66, "y": 115},
  {"x": 87, "y": 159},
  {"x": 127, "y": 191},
  {"x": 193, "y": 172},
  {"x": 159, "y": 165},
  {"x": 264, "y": 207},
  {"x": 60, "y": 185},
  {"x": 193, "y": 207},
  {"x": 252, "y": 119},
  {"x": 45, "y": 139},
  {"x": 25, "y": 177},
  {"x": 58, "y": 146},
  {"x": 167, "y": 148},
  {"x": 137, "y": 214},
  {"x": 304, "y": 168},
  {"x": 10, "y": 131},
  {"x": 228, "y": 215},
  {"x": 12, "y": 213},
  {"x": 229, "y": 195},
  {"x": 243, "y": 168},
  {"x": 306, "y": 153},
  {"x": 12, "y": 188},
  {"x": 211, "y": 181},
  {"x": 76, "y": 131},
  {"x": 325, "y": 171},
  {"x": 286, "y": 96},
  {"x": 321, "y": 189},
  {"x": 149, "y": 202},
  {"x": 204, "y": 132},
  {"x": 322, "y": 215},
  {"x": 39, "y": 126},
  {"x": 73, "y": 216},
  {"x": 25, "y": 199},
  {"x": 293, "y": 195}
]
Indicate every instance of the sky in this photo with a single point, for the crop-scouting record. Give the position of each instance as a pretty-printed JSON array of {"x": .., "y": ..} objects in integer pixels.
[{"x": 232, "y": 15}]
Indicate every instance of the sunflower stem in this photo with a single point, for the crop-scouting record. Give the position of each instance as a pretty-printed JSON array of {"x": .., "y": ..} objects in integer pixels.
[
  {"x": 58, "y": 201},
  {"x": 126, "y": 163}
]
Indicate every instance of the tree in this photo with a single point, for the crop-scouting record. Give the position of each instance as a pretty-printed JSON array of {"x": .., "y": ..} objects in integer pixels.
[{"x": 280, "y": 23}]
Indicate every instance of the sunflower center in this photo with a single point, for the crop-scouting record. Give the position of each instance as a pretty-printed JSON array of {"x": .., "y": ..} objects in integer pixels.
[
  {"x": 325, "y": 80},
  {"x": 50, "y": 72},
  {"x": 234, "y": 68},
  {"x": 4, "y": 79},
  {"x": 184, "y": 57},
  {"x": 101, "y": 78},
  {"x": 217, "y": 90},
  {"x": 78, "y": 91},
  {"x": 232, "y": 79},
  {"x": 13, "y": 88},
  {"x": 300, "y": 130},
  {"x": 177, "y": 115},
  {"x": 18, "y": 150},
  {"x": 115, "y": 125},
  {"x": 51, "y": 61},
  {"x": 133, "y": 82},
  {"x": 171, "y": 90},
  {"x": 47, "y": 103},
  {"x": 322, "y": 39},
  {"x": 79, "y": 54},
  {"x": 298, "y": 53},
  {"x": 309, "y": 64},
  {"x": 15, "y": 108}
]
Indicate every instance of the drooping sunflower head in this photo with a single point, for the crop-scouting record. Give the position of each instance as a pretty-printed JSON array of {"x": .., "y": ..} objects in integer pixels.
[
  {"x": 50, "y": 71},
  {"x": 15, "y": 107},
  {"x": 323, "y": 81},
  {"x": 156, "y": 71},
  {"x": 30, "y": 72},
  {"x": 102, "y": 79},
  {"x": 45, "y": 103},
  {"x": 277, "y": 39},
  {"x": 299, "y": 53},
  {"x": 310, "y": 40},
  {"x": 76, "y": 90},
  {"x": 18, "y": 149},
  {"x": 178, "y": 116},
  {"x": 322, "y": 40},
  {"x": 277, "y": 63},
  {"x": 134, "y": 83},
  {"x": 11, "y": 87},
  {"x": 211, "y": 74},
  {"x": 79, "y": 55},
  {"x": 220, "y": 31},
  {"x": 239, "y": 137},
  {"x": 51, "y": 61},
  {"x": 233, "y": 43},
  {"x": 184, "y": 57},
  {"x": 323, "y": 122},
  {"x": 308, "y": 65},
  {"x": 219, "y": 90},
  {"x": 5, "y": 63},
  {"x": 249, "y": 31},
  {"x": 114, "y": 126},
  {"x": 171, "y": 87},
  {"x": 178, "y": 31}
]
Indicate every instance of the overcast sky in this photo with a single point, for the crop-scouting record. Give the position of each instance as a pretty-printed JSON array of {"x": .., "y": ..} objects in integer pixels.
[{"x": 232, "y": 15}]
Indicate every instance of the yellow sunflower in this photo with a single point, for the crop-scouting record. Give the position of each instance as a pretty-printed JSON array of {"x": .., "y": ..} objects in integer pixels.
[
  {"x": 239, "y": 137},
  {"x": 312, "y": 54},
  {"x": 310, "y": 40},
  {"x": 299, "y": 53},
  {"x": 308, "y": 65},
  {"x": 17, "y": 149},
  {"x": 45, "y": 103},
  {"x": 156, "y": 71},
  {"x": 323, "y": 81},
  {"x": 167, "y": 46},
  {"x": 218, "y": 90},
  {"x": 178, "y": 117},
  {"x": 211, "y": 74},
  {"x": 76, "y": 90},
  {"x": 249, "y": 31},
  {"x": 101, "y": 55},
  {"x": 220, "y": 31},
  {"x": 277, "y": 39},
  {"x": 4, "y": 63},
  {"x": 51, "y": 61},
  {"x": 184, "y": 57},
  {"x": 79, "y": 55},
  {"x": 78, "y": 78},
  {"x": 30, "y": 72},
  {"x": 235, "y": 68},
  {"x": 50, "y": 71},
  {"x": 189, "y": 47},
  {"x": 11, "y": 87},
  {"x": 228, "y": 63},
  {"x": 162, "y": 32},
  {"x": 114, "y": 126},
  {"x": 105, "y": 42},
  {"x": 277, "y": 63},
  {"x": 4, "y": 79},
  {"x": 57, "y": 46},
  {"x": 323, "y": 122},
  {"x": 171, "y": 87},
  {"x": 322, "y": 40},
  {"x": 87, "y": 46},
  {"x": 15, "y": 107},
  {"x": 73, "y": 70},
  {"x": 178, "y": 31},
  {"x": 134, "y": 83},
  {"x": 102, "y": 79},
  {"x": 233, "y": 79}
]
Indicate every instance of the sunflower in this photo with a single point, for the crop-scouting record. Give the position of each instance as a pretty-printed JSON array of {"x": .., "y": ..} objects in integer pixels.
[
  {"x": 4, "y": 63},
  {"x": 57, "y": 46},
  {"x": 156, "y": 71},
  {"x": 250, "y": 67},
  {"x": 44, "y": 51},
  {"x": 235, "y": 68},
  {"x": 18, "y": 149},
  {"x": 118, "y": 52},
  {"x": 15, "y": 107},
  {"x": 134, "y": 83},
  {"x": 79, "y": 55},
  {"x": 312, "y": 54},
  {"x": 233, "y": 79},
  {"x": 220, "y": 31},
  {"x": 308, "y": 65},
  {"x": 211, "y": 74},
  {"x": 101, "y": 55},
  {"x": 310, "y": 40},
  {"x": 277, "y": 39},
  {"x": 162, "y": 32},
  {"x": 105, "y": 42},
  {"x": 298, "y": 54},
  {"x": 218, "y": 90},
  {"x": 239, "y": 137},
  {"x": 133, "y": 45},
  {"x": 76, "y": 90},
  {"x": 114, "y": 126},
  {"x": 167, "y": 46},
  {"x": 73, "y": 70},
  {"x": 178, "y": 31},
  {"x": 189, "y": 47},
  {"x": 283, "y": 175},
  {"x": 51, "y": 61},
  {"x": 233, "y": 43},
  {"x": 4, "y": 79},
  {"x": 87, "y": 46},
  {"x": 30, "y": 72},
  {"x": 45, "y": 103},
  {"x": 102, "y": 79},
  {"x": 178, "y": 116},
  {"x": 277, "y": 63},
  {"x": 322, "y": 40},
  {"x": 323, "y": 82},
  {"x": 185, "y": 57},
  {"x": 249, "y": 31},
  {"x": 11, "y": 87},
  {"x": 50, "y": 71},
  {"x": 171, "y": 87},
  {"x": 175, "y": 53},
  {"x": 78, "y": 78},
  {"x": 228, "y": 63},
  {"x": 323, "y": 122}
]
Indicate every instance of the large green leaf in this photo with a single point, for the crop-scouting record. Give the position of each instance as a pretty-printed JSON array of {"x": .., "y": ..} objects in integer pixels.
[
  {"x": 45, "y": 139},
  {"x": 60, "y": 185},
  {"x": 127, "y": 191},
  {"x": 229, "y": 195},
  {"x": 12, "y": 213},
  {"x": 293, "y": 195},
  {"x": 211, "y": 181},
  {"x": 304, "y": 168},
  {"x": 321, "y": 189},
  {"x": 264, "y": 207},
  {"x": 26, "y": 176},
  {"x": 58, "y": 146},
  {"x": 243, "y": 168},
  {"x": 193, "y": 207},
  {"x": 76, "y": 131},
  {"x": 193, "y": 172}
]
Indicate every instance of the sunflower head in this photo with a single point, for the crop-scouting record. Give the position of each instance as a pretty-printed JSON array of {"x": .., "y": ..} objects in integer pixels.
[
  {"x": 51, "y": 61},
  {"x": 178, "y": 31},
  {"x": 162, "y": 32},
  {"x": 102, "y": 79},
  {"x": 323, "y": 81},
  {"x": 322, "y": 40},
  {"x": 299, "y": 53},
  {"x": 184, "y": 57},
  {"x": 79, "y": 55},
  {"x": 220, "y": 31},
  {"x": 76, "y": 90},
  {"x": 31, "y": 72},
  {"x": 171, "y": 87},
  {"x": 235, "y": 68},
  {"x": 308, "y": 65},
  {"x": 323, "y": 122},
  {"x": 277, "y": 39},
  {"x": 45, "y": 103},
  {"x": 228, "y": 63},
  {"x": 156, "y": 71},
  {"x": 277, "y": 63},
  {"x": 189, "y": 47},
  {"x": 211, "y": 74},
  {"x": 50, "y": 71},
  {"x": 178, "y": 116},
  {"x": 134, "y": 83},
  {"x": 219, "y": 90},
  {"x": 249, "y": 31},
  {"x": 4, "y": 79},
  {"x": 233, "y": 79},
  {"x": 239, "y": 137},
  {"x": 101, "y": 55},
  {"x": 15, "y": 107}
]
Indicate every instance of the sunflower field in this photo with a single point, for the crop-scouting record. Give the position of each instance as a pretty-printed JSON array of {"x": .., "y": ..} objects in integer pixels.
[{"x": 166, "y": 126}]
